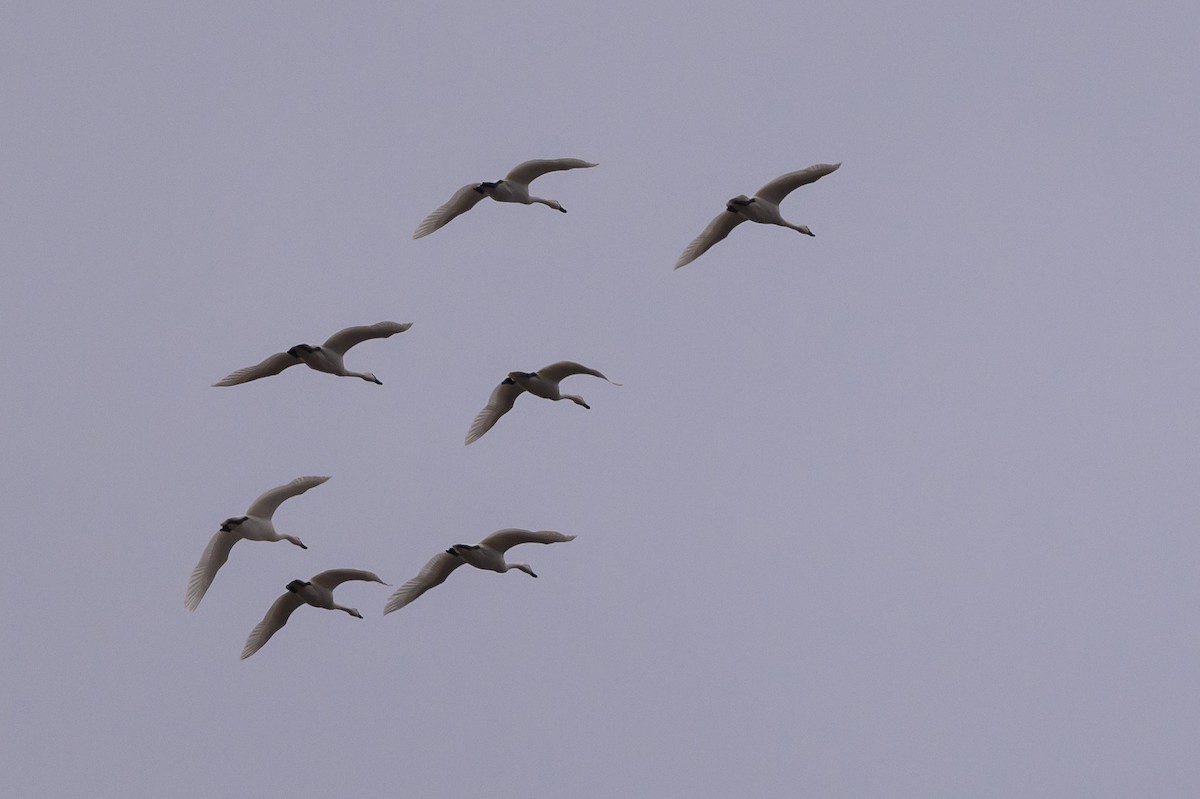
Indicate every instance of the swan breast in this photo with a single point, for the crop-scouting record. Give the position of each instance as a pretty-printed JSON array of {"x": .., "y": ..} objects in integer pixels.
[{"x": 536, "y": 384}]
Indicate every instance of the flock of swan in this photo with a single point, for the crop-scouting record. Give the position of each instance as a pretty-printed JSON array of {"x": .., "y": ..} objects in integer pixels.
[
  {"x": 256, "y": 525},
  {"x": 489, "y": 553}
]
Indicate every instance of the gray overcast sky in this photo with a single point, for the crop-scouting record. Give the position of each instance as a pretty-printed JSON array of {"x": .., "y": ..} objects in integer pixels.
[{"x": 907, "y": 509}]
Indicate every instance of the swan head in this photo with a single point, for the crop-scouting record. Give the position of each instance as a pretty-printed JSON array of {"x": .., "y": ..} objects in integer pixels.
[
  {"x": 804, "y": 229},
  {"x": 556, "y": 205},
  {"x": 522, "y": 566},
  {"x": 354, "y": 612},
  {"x": 370, "y": 378}
]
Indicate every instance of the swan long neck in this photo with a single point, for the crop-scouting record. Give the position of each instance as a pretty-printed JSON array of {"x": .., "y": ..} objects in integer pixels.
[
  {"x": 370, "y": 378},
  {"x": 555, "y": 204}
]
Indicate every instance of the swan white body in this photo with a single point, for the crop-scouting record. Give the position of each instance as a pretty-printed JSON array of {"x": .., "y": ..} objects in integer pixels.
[
  {"x": 325, "y": 358},
  {"x": 487, "y": 554},
  {"x": 317, "y": 591},
  {"x": 763, "y": 207},
  {"x": 256, "y": 525},
  {"x": 514, "y": 188},
  {"x": 542, "y": 383}
]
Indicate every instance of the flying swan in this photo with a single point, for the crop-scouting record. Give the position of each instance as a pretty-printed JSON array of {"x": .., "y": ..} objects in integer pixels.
[
  {"x": 762, "y": 207},
  {"x": 514, "y": 188},
  {"x": 318, "y": 592},
  {"x": 487, "y": 554},
  {"x": 542, "y": 383},
  {"x": 325, "y": 358},
  {"x": 256, "y": 525}
]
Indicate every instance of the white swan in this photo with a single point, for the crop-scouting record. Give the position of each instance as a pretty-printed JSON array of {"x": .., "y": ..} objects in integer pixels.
[
  {"x": 542, "y": 383},
  {"x": 762, "y": 207},
  {"x": 256, "y": 525},
  {"x": 514, "y": 188},
  {"x": 325, "y": 358},
  {"x": 487, "y": 554},
  {"x": 318, "y": 592}
]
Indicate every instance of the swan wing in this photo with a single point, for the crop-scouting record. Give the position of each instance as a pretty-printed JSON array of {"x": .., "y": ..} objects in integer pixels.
[
  {"x": 463, "y": 200},
  {"x": 500, "y": 403},
  {"x": 527, "y": 171},
  {"x": 265, "y": 505},
  {"x": 503, "y": 540},
  {"x": 332, "y": 578},
  {"x": 435, "y": 573},
  {"x": 783, "y": 185},
  {"x": 276, "y": 617},
  {"x": 717, "y": 229},
  {"x": 343, "y": 340},
  {"x": 563, "y": 369},
  {"x": 214, "y": 557},
  {"x": 271, "y": 366}
]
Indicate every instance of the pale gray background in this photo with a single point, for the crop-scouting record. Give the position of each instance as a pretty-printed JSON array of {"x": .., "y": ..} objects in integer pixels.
[{"x": 904, "y": 510}]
